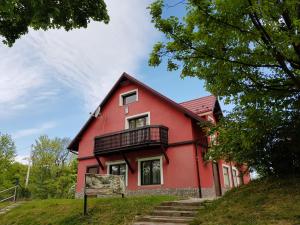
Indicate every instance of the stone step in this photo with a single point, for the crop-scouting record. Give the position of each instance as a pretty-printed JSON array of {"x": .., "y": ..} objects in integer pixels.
[
  {"x": 157, "y": 223},
  {"x": 181, "y": 203},
  {"x": 178, "y": 208},
  {"x": 173, "y": 213},
  {"x": 164, "y": 219}
]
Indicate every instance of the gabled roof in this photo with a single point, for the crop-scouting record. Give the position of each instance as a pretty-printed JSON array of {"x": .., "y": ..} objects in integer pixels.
[
  {"x": 200, "y": 105},
  {"x": 75, "y": 142}
]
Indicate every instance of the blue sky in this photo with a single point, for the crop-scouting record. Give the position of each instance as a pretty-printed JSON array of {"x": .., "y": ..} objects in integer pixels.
[{"x": 50, "y": 81}]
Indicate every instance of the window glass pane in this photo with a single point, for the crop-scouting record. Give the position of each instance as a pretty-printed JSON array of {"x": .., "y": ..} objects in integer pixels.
[
  {"x": 129, "y": 98},
  {"x": 123, "y": 169},
  {"x": 156, "y": 171},
  {"x": 114, "y": 170},
  {"x": 132, "y": 124},
  {"x": 235, "y": 177},
  {"x": 226, "y": 176},
  {"x": 140, "y": 122},
  {"x": 93, "y": 170},
  {"x": 146, "y": 172}
]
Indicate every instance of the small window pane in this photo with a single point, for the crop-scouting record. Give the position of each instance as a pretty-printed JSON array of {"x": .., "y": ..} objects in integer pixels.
[
  {"x": 129, "y": 98},
  {"x": 235, "y": 177},
  {"x": 93, "y": 170},
  {"x": 226, "y": 177},
  {"x": 156, "y": 171}
]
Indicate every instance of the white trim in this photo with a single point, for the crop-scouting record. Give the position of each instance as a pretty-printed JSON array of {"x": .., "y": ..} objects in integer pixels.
[
  {"x": 126, "y": 93},
  {"x": 139, "y": 160},
  {"x": 135, "y": 116},
  {"x": 109, "y": 163},
  {"x": 229, "y": 174}
]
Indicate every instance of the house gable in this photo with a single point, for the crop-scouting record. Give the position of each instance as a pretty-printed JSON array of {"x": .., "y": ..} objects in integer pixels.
[{"x": 112, "y": 117}]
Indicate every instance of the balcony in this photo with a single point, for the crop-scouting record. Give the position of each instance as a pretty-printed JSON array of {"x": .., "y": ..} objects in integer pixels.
[{"x": 131, "y": 139}]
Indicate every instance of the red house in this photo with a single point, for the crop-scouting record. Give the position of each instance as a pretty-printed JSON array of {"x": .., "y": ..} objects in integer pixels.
[{"x": 156, "y": 143}]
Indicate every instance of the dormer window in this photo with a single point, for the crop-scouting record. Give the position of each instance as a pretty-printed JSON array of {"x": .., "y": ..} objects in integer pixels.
[{"x": 128, "y": 97}]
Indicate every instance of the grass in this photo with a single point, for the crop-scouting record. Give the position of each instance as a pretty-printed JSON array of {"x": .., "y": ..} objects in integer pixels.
[
  {"x": 106, "y": 211},
  {"x": 268, "y": 201},
  {"x": 4, "y": 204}
]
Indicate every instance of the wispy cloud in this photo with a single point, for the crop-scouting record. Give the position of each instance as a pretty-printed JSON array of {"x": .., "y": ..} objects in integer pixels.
[
  {"x": 34, "y": 131},
  {"x": 85, "y": 61}
]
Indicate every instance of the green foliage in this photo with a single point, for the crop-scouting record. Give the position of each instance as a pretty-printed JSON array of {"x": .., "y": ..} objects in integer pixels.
[
  {"x": 248, "y": 53},
  {"x": 53, "y": 169},
  {"x": 16, "y": 16},
  {"x": 266, "y": 201},
  {"x": 112, "y": 211},
  {"x": 7, "y": 154}
]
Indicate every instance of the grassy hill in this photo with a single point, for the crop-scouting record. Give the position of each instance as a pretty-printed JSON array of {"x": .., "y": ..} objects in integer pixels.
[
  {"x": 106, "y": 211},
  {"x": 269, "y": 201},
  {"x": 263, "y": 202}
]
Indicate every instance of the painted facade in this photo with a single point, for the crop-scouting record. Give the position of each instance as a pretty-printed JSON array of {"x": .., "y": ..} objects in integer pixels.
[{"x": 173, "y": 168}]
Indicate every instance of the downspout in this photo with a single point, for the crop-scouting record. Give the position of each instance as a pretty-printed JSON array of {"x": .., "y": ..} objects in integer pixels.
[{"x": 198, "y": 172}]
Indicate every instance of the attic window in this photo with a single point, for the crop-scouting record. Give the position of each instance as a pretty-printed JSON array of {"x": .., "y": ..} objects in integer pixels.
[{"x": 128, "y": 97}]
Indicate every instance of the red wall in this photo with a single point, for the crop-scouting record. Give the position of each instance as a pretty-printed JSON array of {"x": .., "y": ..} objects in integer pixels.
[{"x": 179, "y": 173}]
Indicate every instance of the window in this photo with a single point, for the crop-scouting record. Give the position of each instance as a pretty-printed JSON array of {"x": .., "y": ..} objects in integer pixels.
[
  {"x": 118, "y": 169},
  {"x": 150, "y": 172},
  {"x": 235, "y": 177},
  {"x": 129, "y": 98},
  {"x": 92, "y": 169},
  {"x": 138, "y": 122},
  {"x": 226, "y": 176}
]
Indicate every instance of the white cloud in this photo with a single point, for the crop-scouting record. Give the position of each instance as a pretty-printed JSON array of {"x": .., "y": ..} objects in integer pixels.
[
  {"x": 22, "y": 159},
  {"x": 86, "y": 61},
  {"x": 34, "y": 131}
]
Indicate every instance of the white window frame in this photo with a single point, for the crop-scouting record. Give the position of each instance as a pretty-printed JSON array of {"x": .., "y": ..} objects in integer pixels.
[
  {"x": 161, "y": 170},
  {"x": 229, "y": 175},
  {"x": 126, "y": 93},
  {"x": 136, "y": 116},
  {"x": 237, "y": 176},
  {"x": 110, "y": 163}
]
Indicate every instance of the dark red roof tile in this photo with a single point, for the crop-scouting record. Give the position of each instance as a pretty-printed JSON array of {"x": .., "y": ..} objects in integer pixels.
[{"x": 200, "y": 105}]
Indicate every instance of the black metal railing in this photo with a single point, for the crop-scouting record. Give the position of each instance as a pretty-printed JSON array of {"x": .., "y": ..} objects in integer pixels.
[{"x": 132, "y": 138}]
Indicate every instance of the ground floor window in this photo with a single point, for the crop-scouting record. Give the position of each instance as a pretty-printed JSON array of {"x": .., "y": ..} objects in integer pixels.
[
  {"x": 235, "y": 177},
  {"x": 118, "y": 169},
  {"x": 92, "y": 169},
  {"x": 226, "y": 176},
  {"x": 150, "y": 172}
]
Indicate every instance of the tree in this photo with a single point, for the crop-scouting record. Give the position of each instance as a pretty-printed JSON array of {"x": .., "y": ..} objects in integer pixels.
[
  {"x": 16, "y": 16},
  {"x": 53, "y": 170},
  {"x": 248, "y": 53},
  {"x": 7, "y": 154}
]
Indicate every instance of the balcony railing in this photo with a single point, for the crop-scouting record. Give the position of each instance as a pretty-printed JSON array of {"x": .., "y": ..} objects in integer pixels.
[{"x": 153, "y": 135}]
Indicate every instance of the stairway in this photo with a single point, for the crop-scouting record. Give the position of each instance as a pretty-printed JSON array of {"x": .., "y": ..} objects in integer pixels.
[{"x": 173, "y": 213}]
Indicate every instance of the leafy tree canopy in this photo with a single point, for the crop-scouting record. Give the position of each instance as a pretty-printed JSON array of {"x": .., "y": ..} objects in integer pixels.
[
  {"x": 248, "y": 52},
  {"x": 16, "y": 16},
  {"x": 7, "y": 155},
  {"x": 53, "y": 169}
]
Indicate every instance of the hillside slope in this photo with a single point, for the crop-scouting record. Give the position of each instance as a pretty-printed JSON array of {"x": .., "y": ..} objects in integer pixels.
[
  {"x": 106, "y": 211},
  {"x": 268, "y": 201}
]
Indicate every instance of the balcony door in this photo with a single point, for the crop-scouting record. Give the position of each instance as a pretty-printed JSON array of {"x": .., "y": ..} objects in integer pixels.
[{"x": 140, "y": 135}]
